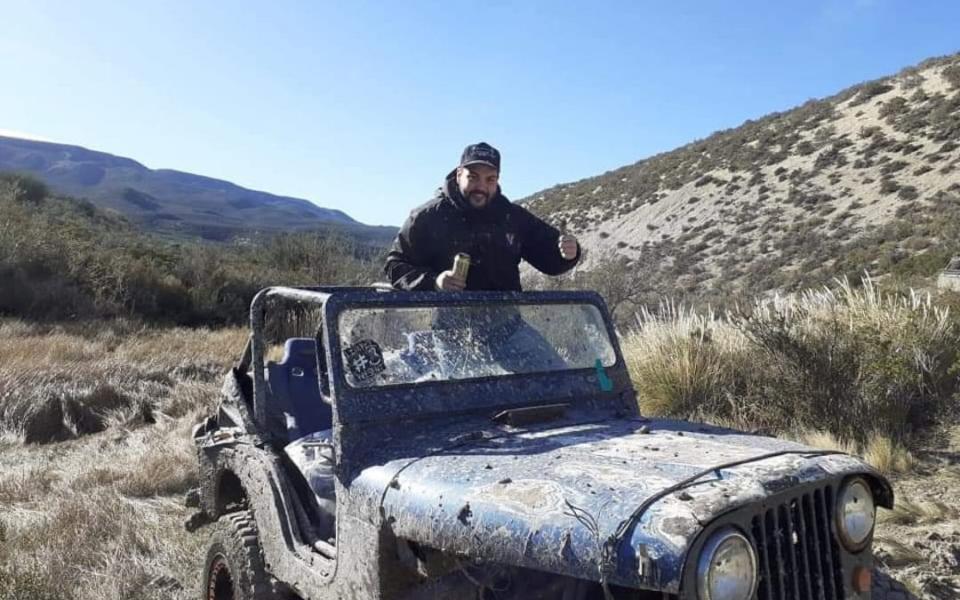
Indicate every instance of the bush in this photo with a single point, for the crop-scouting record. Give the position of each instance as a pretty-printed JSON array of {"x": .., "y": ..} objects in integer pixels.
[
  {"x": 952, "y": 75},
  {"x": 908, "y": 192},
  {"x": 805, "y": 148},
  {"x": 892, "y": 108},
  {"x": 23, "y": 188},
  {"x": 893, "y": 167},
  {"x": 63, "y": 259},
  {"x": 834, "y": 360},
  {"x": 888, "y": 186},
  {"x": 871, "y": 90}
]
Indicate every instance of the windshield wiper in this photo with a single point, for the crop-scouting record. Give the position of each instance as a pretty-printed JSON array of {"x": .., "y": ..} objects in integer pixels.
[{"x": 530, "y": 414}]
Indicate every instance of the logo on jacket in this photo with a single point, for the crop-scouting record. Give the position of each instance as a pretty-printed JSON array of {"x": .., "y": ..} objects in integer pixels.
[{"x": 510, "y": 238}]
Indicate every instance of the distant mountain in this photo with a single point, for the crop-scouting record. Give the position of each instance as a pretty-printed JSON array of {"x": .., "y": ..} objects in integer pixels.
[
  {"x": 168, "y": 201},
  {"x": 868, "y": 179}
]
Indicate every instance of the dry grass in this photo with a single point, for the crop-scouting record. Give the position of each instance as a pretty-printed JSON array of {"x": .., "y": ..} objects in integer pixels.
[
  {"x": 98, "y": 514},
  {"x": 161, "y": 462},
  {"x": 899, "y": 554},
  {"x": 882, "y": 453},
  {"x": 910, "y": 512},
  {"x": 99, "y": 545},
  {"x": 828, "y": 360},
  {"x": 26, "y": 485},
  {"x": 56, "y": 385},
  {"x": 825, "y": 440},
  {"x": 683, "y": 363},
  {"x": 887, "y": 456}
]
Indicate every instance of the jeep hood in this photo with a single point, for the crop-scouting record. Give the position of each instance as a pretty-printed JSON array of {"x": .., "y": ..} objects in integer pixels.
[{"x": 548, "y": 499}]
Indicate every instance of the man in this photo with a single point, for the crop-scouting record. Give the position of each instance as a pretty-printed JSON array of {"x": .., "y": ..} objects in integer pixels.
[{"x": 469, "y": 214}]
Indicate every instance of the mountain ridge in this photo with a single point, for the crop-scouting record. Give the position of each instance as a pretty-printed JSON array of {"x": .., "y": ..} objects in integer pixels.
[{"x": 171, "y": 201}]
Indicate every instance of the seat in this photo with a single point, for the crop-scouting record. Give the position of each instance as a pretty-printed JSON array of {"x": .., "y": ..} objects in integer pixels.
[{"x": 295, "y": 397}]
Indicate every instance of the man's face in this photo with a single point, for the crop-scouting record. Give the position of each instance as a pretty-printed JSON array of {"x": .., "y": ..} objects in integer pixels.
[{"x": 478, "y": 184}]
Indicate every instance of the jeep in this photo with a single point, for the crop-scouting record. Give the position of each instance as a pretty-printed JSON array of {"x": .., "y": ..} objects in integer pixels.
[{"x": 490, "y": 445}]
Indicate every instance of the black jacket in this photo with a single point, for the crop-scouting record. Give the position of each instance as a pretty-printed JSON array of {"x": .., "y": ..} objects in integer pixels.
[{"x": 496, "y": 237}]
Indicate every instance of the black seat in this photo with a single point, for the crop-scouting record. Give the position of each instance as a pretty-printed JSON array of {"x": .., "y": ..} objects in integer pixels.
[{"x": 295, "y": 398}]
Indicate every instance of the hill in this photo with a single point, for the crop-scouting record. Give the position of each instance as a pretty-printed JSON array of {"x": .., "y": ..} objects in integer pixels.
[
  {"x": 172, "y": 202},
  {"x": 66, "y": 259},
  {"x": 868, "y": 179}
]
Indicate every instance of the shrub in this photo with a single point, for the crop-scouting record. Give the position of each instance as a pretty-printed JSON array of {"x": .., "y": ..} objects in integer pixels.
[
  {"x": 63, "y": 259},
  {"x": 831, "y": 360},
  {"x": 888, "y": 186},
  {"x": 952, "y": 75},
  {"x": 685, "y": 364},
  {"x": 806, "y": 148},
  {"x": 23, "y": 188},
  {"x": 893, "y": 167},
  {"x": 908, "y": 192},
  {"x": 872, "y": 90},
  {"x": 892, "y": 108}
]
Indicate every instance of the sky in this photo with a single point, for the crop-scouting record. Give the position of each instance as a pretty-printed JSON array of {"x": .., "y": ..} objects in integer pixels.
[{"x": 365, "y": 106}]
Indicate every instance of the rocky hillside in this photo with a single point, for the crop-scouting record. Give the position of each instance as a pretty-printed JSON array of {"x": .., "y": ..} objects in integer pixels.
[
  {"x": 868, "y": 179},
  {"x": 171, "y": 201}
]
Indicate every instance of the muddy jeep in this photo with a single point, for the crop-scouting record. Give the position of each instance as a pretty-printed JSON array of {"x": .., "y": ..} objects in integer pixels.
[{"x": 489, "y": 445}]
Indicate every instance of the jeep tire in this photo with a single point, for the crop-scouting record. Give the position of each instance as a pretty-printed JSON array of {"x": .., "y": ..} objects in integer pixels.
[{"x": 234, "y": 569}]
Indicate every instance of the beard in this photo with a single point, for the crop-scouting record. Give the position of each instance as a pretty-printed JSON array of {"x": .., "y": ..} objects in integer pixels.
[{"x": 478, "y": 199}]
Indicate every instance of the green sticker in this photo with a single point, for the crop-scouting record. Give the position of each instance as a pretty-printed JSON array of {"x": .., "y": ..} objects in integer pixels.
[{"x": 605, "y": 384}]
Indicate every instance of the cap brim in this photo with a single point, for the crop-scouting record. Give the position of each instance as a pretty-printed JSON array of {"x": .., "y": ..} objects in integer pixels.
[{"x": 480, "y": 162}]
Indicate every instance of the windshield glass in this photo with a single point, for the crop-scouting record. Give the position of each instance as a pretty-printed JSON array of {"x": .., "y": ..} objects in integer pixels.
[{"x": 397, "y": 345}]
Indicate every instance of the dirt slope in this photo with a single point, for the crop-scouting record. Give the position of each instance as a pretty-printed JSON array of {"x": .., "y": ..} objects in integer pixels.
[{"x": 856, "y": 181}]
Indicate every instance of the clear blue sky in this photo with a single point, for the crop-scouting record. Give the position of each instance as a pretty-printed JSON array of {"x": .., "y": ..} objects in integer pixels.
[{"x": 365, "y": 106}]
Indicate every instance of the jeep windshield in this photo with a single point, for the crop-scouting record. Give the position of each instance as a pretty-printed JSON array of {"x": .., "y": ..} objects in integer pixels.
[{"x": 385, "y": 346}]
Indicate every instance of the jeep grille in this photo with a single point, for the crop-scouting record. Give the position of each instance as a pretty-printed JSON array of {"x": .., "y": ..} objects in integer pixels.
[{"x": 798, "y": 554}]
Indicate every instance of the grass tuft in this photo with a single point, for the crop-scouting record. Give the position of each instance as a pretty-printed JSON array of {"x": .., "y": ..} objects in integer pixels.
[
  {"x": 95, "y": 455},
  {"x": 887, "y": 456},
  {"x": 910, "y": 512},
  {"x": 821, "y": 360}
]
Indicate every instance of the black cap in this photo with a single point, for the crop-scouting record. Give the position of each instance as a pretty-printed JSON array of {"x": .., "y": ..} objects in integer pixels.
[{"x": 480, "y": 154}]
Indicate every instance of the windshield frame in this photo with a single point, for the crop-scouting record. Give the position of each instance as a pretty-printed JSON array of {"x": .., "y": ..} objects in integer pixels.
[
  {"x": 350, "y": 399},
  {"x": 486, "y": 305}
]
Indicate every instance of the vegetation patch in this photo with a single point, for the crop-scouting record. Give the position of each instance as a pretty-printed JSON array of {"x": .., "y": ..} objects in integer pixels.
[
  {"x": 829, "y": 361},
  {"x": 62, "y": 258}
]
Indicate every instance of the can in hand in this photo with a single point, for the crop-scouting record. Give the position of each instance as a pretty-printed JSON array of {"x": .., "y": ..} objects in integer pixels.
[{"x": 461, "y": 265}]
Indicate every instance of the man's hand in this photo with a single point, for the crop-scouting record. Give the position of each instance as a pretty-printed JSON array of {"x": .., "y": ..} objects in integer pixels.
[
  {"x": 568, "y": 247},
  {"x": 449, "y": 282}
]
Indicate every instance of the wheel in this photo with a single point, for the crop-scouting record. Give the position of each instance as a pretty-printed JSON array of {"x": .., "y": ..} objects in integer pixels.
[
  {"x": 234, "y": 567},
  {"x": 887, "y": 588}
]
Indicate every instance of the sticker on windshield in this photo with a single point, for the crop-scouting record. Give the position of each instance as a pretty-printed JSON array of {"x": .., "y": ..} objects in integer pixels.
[{"x": 364, "y": 360}]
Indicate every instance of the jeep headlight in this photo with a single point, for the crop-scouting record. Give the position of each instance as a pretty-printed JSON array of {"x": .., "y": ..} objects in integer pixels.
[
  {"x": 727, "y": 569},
  {"x": 856, "y": 515}
]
